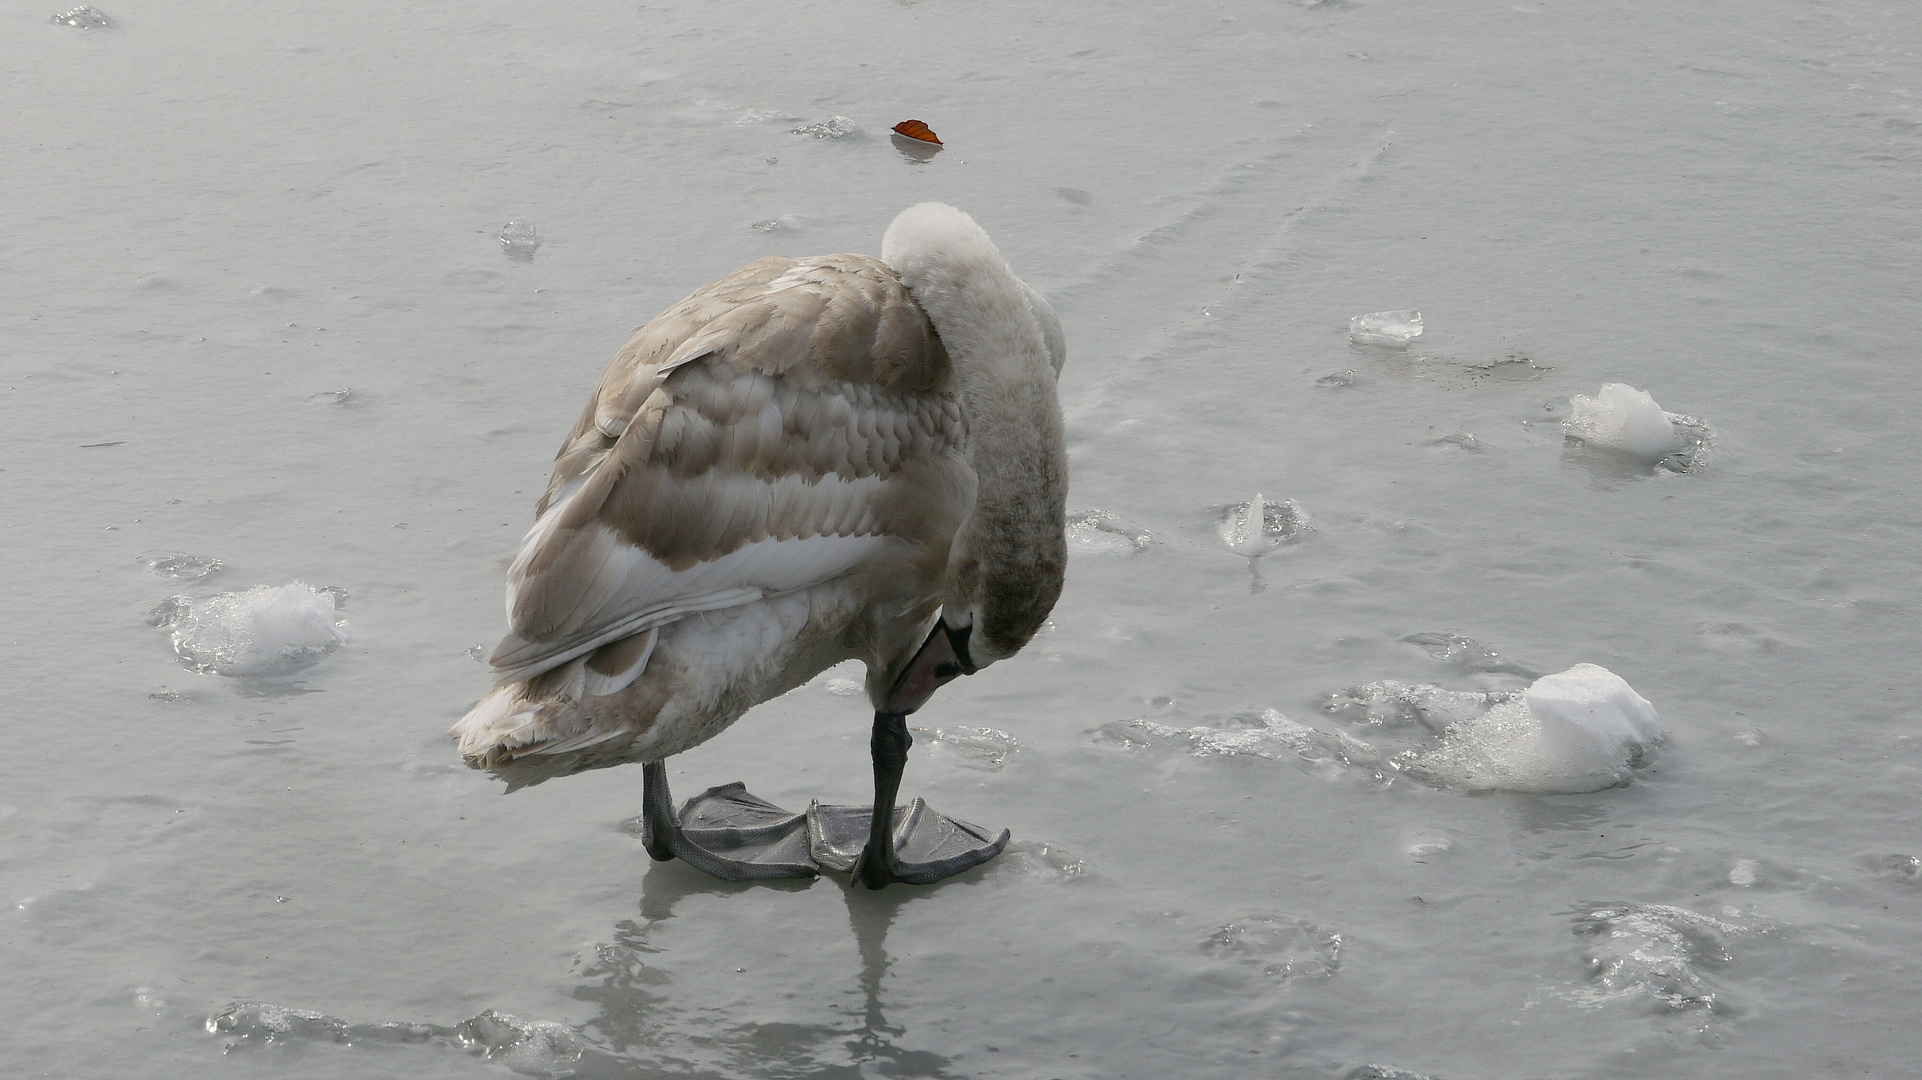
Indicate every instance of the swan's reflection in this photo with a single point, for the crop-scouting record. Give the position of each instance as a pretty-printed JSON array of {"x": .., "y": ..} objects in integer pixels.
[{"x": 641, "y": 1018}]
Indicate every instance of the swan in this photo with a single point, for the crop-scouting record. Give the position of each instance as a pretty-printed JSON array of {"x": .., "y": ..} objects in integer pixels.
[{"x": 804, "y": 462}]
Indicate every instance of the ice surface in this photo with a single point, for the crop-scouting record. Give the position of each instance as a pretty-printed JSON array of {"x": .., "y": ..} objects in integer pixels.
[
  {"x": 1623, "y": 419},
  {"x": 85, "y": 17},
  {"x": 264, "y": 630},
  {"x": 1393, "y": 329},
  {"x": 1583, "y": 729},
  {"x": 519, "y": 239}
]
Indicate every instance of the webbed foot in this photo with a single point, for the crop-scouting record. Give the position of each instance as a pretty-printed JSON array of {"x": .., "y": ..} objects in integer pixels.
[
  {"x": 725, "y": 832},
  {"x": 928, "y": 845}
]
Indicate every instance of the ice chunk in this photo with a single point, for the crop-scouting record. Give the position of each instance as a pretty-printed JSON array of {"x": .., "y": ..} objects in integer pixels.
[
  {"x": 1590, "y": 710},
  {"x": 86, "y": 18},
  {"x": 1623, "y": 419},
  {"x": 264, "y": 630},
  {"x": 1394, "y": 329},
  {"x": 518, "y": 239},
  {"x": 1582, "y": 729}
]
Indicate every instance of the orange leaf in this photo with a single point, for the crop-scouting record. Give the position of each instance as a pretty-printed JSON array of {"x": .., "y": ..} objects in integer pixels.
[{"x": 915, "y": 129}]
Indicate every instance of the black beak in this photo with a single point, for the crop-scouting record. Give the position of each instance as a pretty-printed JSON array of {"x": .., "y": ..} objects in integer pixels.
[{"x": 942, "y": 658}]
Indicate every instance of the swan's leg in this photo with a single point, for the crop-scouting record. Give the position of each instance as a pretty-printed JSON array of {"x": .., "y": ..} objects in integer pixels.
[
  {"x": 889, "y": 747},
  {"x": 914, "y": 844},
  {"x": 723, "y": 831}
]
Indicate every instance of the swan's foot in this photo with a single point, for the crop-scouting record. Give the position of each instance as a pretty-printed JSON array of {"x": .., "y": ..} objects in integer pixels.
[
  {"x": 728, "y": 833},
  {"x": 927, "y": 844},
  {"x": 724, "y": 832}
]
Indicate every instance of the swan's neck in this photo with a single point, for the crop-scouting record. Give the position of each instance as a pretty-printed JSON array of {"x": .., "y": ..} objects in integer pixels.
[{"x": 1009, "y": 554}]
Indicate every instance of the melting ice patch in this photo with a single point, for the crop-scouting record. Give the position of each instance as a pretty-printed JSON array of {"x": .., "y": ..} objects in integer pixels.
[
  {"x": 1097, "y": 532},
  {"x": 519, "y": 239},
  {"x": 1259, "y": 526},
  {"x": 1392, "y": 329},
  {"x": 86, "y": 18},
  {"x": 1279, "y": 946},
  {"x": 1655, "y": 954},
  {"x": 838, "y": 127},
  {"x": 981, "y": 748},
  {"x": 264, "y": 630},
  {"x": 1273, "y": 736},
  {"x": 528, "y": 1047},
  {"x": 177, "y": 564}
]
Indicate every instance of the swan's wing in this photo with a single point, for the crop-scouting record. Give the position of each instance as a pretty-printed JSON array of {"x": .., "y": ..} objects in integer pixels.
[{"x": 785, "y": 425}]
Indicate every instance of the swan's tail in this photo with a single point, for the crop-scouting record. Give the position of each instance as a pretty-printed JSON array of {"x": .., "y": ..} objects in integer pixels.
[{"x": 535, "y": 728}]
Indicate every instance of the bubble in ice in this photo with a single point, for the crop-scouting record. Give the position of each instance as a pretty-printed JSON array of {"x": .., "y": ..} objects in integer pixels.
[
  {"x": 85, "y": 17},
  {"x": 838, "y": 127},
  {"x": 1097, "y": 532},
  {"x": 1337, "y": 380},
  {"x": 765, "y": 225},
  {"x": 1383, "y": 1072},
  {"x": 1656, "y": 955},
  {"x": 841, "y": 687},
  {"x": 1388, "y": 329},
  {"x": 179, "y": 564},
  {"x": 518, "y": 239},
  {"x": 1259, "y": 526},
  {"x": 981, "y": 748},
  {"x": 265, "y": 630},
  {"x": 1583, "y": 729},
  {"x": 1624, "y": 420},
  {"x": 1279, "y": 946}
]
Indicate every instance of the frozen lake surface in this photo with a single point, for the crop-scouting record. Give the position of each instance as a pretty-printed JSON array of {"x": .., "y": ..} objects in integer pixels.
[{"x": 299, "y": 304}]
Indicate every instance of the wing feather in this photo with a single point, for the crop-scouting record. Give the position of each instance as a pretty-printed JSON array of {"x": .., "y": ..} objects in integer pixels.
[{"x": 749, "y": 441}]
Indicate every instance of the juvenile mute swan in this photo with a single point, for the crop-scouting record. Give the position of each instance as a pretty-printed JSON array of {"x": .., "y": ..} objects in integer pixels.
[{"x": 807, "y": 461}]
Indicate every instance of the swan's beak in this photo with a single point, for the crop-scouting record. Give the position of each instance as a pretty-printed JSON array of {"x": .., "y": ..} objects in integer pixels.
[{"x": 940, "y": 660}]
